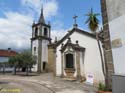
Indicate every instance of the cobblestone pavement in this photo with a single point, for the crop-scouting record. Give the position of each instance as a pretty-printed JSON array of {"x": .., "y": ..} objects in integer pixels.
[{"x": 48, "y": 83}]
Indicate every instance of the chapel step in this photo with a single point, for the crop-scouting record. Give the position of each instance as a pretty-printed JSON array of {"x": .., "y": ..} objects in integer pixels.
[{"x": 70, "y": 79}]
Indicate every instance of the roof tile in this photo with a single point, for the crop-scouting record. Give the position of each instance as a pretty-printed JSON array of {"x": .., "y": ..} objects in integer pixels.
[{"x": 7, "y": 53}]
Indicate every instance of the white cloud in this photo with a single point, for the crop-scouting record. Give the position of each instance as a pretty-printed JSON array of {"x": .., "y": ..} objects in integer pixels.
[
  {"x": 50, "y": 7},
  {"x": 15, "y": 27},
  {"x": 58, "y": 33},
  {"x": 32, "y": 3},
  {"x": 15, "y": 30}
]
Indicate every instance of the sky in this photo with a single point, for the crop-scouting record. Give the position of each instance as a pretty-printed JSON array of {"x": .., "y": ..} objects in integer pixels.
[{"x": 17, "y": 16}]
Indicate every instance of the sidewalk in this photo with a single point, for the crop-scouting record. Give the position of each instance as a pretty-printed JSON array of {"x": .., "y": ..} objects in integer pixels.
[{"x": 56, "y": 84}]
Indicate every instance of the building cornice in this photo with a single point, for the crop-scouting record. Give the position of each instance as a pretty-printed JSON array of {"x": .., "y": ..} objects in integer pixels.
[{"x": 40, "y": 38}]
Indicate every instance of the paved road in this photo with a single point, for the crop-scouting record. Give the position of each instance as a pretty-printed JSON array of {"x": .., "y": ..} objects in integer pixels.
[
  {"x": 20, "y": 86},
  {"x": 44, "y": 83}
]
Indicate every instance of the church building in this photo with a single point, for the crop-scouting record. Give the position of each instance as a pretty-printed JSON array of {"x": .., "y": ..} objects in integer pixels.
[{"x": 75, "y": 56}]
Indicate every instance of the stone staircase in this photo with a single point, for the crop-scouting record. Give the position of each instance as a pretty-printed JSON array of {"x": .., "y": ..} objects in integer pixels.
[{"x": 70, "y": 75}]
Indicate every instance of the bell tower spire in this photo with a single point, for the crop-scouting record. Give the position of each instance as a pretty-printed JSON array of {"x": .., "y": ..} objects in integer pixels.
[
  {"x": 41, "y": 19},
  {"x": 41, "y": 38}
]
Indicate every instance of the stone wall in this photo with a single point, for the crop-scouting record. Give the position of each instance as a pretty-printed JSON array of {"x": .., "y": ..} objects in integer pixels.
[{"x": 51, "y": 60}]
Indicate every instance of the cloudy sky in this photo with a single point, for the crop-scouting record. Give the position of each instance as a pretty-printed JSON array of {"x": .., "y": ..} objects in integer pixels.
[{"x": 17, "y": 16}]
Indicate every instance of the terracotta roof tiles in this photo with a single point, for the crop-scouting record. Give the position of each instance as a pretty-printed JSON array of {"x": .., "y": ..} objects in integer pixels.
[{"x": 7, "y": 53}]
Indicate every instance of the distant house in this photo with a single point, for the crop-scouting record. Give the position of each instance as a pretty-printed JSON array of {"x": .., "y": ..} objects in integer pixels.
[{"x": 5, "y": 54}]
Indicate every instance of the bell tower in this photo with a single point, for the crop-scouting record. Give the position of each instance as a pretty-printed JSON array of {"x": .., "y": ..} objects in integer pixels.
[{"x": 39, "y": 43}]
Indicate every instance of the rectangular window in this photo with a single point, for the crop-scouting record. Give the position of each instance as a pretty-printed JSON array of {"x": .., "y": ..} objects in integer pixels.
[{"x": 34, "y": 50}]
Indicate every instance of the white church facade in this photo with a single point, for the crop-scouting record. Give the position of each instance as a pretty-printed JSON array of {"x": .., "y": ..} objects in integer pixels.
[{"x": 74, "y": 56}]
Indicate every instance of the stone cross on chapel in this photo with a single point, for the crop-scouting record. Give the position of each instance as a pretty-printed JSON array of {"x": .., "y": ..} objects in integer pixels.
[{"x": 75, "y": 24}]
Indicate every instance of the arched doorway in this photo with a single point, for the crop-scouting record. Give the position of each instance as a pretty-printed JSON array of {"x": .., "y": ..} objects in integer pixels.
[{"x": 69, "y": 61}]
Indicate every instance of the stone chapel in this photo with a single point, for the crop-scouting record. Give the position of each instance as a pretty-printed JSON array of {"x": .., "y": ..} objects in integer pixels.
[{"x": 74, "y": 56}]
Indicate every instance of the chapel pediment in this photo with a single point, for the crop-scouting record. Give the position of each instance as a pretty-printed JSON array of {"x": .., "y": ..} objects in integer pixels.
[{"x": 70, "y": 46}]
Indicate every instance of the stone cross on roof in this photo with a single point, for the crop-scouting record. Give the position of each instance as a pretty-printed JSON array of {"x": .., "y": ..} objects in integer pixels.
[{"x": 75, "y": 24}]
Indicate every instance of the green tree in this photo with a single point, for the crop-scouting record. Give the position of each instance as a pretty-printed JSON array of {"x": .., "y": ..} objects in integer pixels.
[
  {"x": 93, "y": 25},
  {"x": 14, "y": 62},
  {"x": 27, "y": 60},
  {"x": 22, "y": 60}
]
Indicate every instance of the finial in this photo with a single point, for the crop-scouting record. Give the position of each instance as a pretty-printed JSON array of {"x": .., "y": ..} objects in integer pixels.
[
  {"x": 41, "y": 19},
  {"x": 77, "y": 41},
  {"x": 75, "y": 24},
  {"x": 62, "y": 45},
  {"x": 33, "y": 23},
  {"x": 69, "y": 40},
  {"x": 101, "y": 29},
  {"x": 42, "y": 9},
  {"x": 55, "y": 39}
]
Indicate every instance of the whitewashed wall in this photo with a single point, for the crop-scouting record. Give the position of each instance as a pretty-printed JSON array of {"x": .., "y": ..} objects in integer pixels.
[
  {"x": 116, "y": 16},
  {"x": 82, "y": 68},
  {"x": 92, "y": 61},
  {"x": 58, "y": 61},
  {"x": 45, "y": 50},
  {"x": 35, "y": 44}
]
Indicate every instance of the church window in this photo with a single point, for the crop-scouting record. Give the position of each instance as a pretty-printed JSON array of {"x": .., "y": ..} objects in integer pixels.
[
  {"x": 36, "y": 31},
  {"x": 45, "y": 32},
  {"x": 34, "y": 50},
  {"x": 69, "y": 61}
]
